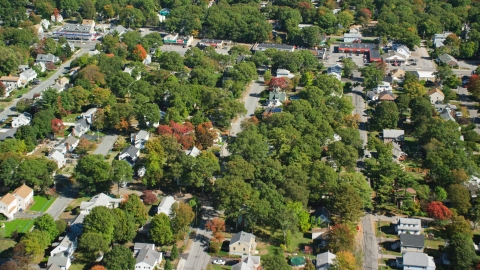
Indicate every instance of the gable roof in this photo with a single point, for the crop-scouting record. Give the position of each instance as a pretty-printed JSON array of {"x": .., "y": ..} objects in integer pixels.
[
  {"x": 325, "y": 258},
  {"x": 393, "y": 133},
  {"x": 23, "y": 191},
  {"x": 242, "y": 237},
  {"x": 148, "y": 256},
  {"x": 9, "y": 78},
  {"x": 57, "y": 156},
  {"x": 100, "y": 199},
  {"x": 447, "y": 114},
  {"x": 138, "y": 246},
  {"x": 46, "y": 57},
  {"x": 131, "y": 151},
  {"x": 165, "y": 205},
  {"x": 59, "y": 260},
  {"x": 413, "y": 240},
  {"x": 387, "y": 96},
  {"x": 194, "y": 152},
  {"x": 393, "y": 54},
  {"x": 71, "y": 140},
  {"x": 242, "y": 266},
  {"x": 415, "y": 259},
  {"x": 435, "y": 90},
  {"x": 7, "y": 199},
  {"x": 445, "y": 58},
  {"x": 409, "y": 221},
  {"x": 142, "y": 135},
  {"x": 53, "y": 267},
  {"x": 9, "y": 134}
]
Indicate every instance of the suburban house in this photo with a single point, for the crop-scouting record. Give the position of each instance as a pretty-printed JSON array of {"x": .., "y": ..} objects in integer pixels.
[
  {"x": 242, "y": 243},
  {"x": 352, "y": 38},
  {"x": 165, "y": 205},
  {"x": 372, "y": 96},
  {"x": 58, "y": 157},
  {"x": 100, "y": 199},
  {"x": 139, "y": 139},
  {"x": 194, "y": 152},
  {"x": 394, "y": 58},
  {"x": 45, "y": 23},
  {"x": 89, "y": 115},
  {"x": 416, "y": 261},
  {"x": 447, "y": 59},
  {"x": 436, "y": 96},
  {"x": 71, "y": 143},
  {"x": 11, "y": 83},
  {"x": 41, "y": 66},
  {"x": 403, "y": 50},
  {"x": 70, "y": 45},
  {"x": 386, "y": 96},
  {"x": 355, "y": 29},
  {"x": 325, "y": 260},
  {"x": 130, "y": 154},
  {"x": 8, "y": 206},
  {"x": 412, "y": 243},
  {"x": 53, "y": 266},
  {"x": 397, "y": 74},
  {"x": 9, "y": 134},
  {"x": 80, "y": 128},
  {"x": 119, "y": 29},
  {"x": 448, "y": 114},
  {"x": 408, "y": 226},
  {"x": 28, "y": 75},
  {"x": 45, "y": 58},
  {"x": 335, "y": 69},
  {"x": 148, "y": 60},
  {"x": 146, "y": 256},
  {"x": 38, "y": 30},
  {"x": 60, "y": 261},
  {"x": 130, "y": 71},
  {"x": 88, "y": 22},
  {"x": 248, "y": 262},
  {"x": 21, "y": 120},
  {"x": 395, "y": 135},
  {"x": 68, "y": 244},
  {"x": 424, "y": 75},
  {"x": 284, "y": 73},
  {"x": 56, "y": 18},
  {"x": 280, "y": 47},
  {"x": 317, "y": 233},
  {"x": 24, "y": 196},
  {"x": 382, "y": 86},
  {"x": 19, "y": 200},
  {"x": 336, "y": 76},
  {"x": 438, "y": 39},
  {"x": 397, "y": 152}
]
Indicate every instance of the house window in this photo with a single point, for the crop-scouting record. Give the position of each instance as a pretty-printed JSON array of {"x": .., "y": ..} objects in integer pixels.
[
  {"x": 233, "y": 248},
  {"x": 243, "y": 249}
]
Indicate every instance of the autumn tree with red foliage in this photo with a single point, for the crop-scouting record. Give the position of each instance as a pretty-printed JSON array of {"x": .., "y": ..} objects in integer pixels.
[
  {"x": 3, "y": 90},
  {"x": 474, "y": 85},
  {"x": 364, "y": 16},
  {"x": 149, "y": 197},
  {"x": 217, "y": 226},
  {"x": 57, "y": 126},
  {"x": 139, "y": 53},
  {"x": 439, "y": 211},
  {"x": 281, "y": 83},
  {"x": 98, "y": 267},
  {"x": 204, "y": 135},
  {"x": 183, "y": 133}
]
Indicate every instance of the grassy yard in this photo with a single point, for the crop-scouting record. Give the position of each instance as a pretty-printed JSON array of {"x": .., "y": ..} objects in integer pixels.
[
  {"x": 21, "y": 225},
  {"x": 41, "y": 203},
  {"x": 70, "y": 118},
  {"x": 5, "y": 244},
  {"x": 386, "y": 230},
  {"x": 218, "y": 267}
]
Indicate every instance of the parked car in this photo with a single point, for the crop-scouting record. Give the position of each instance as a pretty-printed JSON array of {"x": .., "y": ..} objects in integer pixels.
[{"x": 219, "y": 262}]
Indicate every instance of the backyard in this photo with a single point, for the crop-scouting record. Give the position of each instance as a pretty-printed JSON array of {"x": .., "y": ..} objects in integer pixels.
[
  {"x": 41, "y": 204},
  {"x": 20, "y": 225}
]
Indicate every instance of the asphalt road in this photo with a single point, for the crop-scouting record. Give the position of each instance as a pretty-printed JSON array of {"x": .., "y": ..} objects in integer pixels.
[
  {"x": 251, "y": 98},
  {"x": 106, "y": 145},
  {"x": 58, "y": 206},
  {"x": 370, "y": 245},
  {"x": 465, "y": 99}
]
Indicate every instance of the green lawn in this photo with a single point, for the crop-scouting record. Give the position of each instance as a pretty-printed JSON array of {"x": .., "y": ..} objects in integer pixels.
[
  {"x": 71, "y": 117},
  {"x": 22, "y": 225},
  {"x": 216, "y": 267},
  {"x": 41, "y": 203}
]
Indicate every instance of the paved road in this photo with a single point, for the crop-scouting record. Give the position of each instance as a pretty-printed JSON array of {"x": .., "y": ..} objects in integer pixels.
[
  {"x": 465, "y": 99},
  {"x": 106, "y": 145},
  {"x": 360, "y": 107},
  {"x": 370, "y": 245},
  {"x": 58, "y": 206}
]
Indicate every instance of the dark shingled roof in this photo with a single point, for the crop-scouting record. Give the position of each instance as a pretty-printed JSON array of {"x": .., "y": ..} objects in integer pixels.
[{"x": 412, "y": 240}]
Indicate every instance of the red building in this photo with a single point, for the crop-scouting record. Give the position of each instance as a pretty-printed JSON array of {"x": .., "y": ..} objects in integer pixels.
[{"x": 368, "y": 49}]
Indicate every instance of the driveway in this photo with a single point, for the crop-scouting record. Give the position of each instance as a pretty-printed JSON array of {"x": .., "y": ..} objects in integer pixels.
[
  {"x": 106, "y": 145},
  {"x": 67, "y": 195}
]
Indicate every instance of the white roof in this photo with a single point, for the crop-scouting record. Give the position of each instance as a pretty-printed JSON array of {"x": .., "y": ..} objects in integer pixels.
[
  {"x": 165, "y": 205},
  {"x": 57, "y": 156},
  {"x": 194, "y": 152},
  {"x": 424, "y": 74},
  {"x": 99, "y": 200}
]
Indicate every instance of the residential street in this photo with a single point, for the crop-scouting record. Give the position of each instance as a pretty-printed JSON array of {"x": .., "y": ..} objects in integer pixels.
[
  {"x": 370, "y": 244},
  {"x": 66, "y": 197},
  {"x": 465, "y": 99}
]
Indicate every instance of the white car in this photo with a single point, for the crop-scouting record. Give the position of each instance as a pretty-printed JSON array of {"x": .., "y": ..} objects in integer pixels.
[{"x": 220, "y": 262}]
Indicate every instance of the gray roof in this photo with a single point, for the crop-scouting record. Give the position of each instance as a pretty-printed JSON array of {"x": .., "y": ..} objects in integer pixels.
[
  {"x": 142, "y": 134},
  {"x": 409, "y": 221},
  {"x": 416, "y": 259},
  {"x": 71, "y": 140},
  {"x": 393, "y": 133},
  {"x": 264, "y": 46},
  {"x": 325, "y": 258},
  {"x": 82, "y": 122},
  {"x": 131, "y": 151},
  {"x": 445, "y": 58},
  {"x": 53, "y": 267},
  {"x": 242, "y": 266},
  {"x": 142, "y": 245},
  {"x": 77, "y": 28},
  {"x": 447, "y": 114},
  {"x": 58, "y": 259},
  {"x": 412, "y": 240},
  {"x": 242, "y": 237},
  {"x": 46, "y": 57},
  {"x": 393, "y": 53},
  {"x": 119, "y": 28},
  {"x": 28, "y": 73},
  {"x": 9, "y": 134},
  {"x": 148, "y": 256}
]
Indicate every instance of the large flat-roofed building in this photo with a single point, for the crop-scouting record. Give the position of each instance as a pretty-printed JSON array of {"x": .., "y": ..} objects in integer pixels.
[
  {"x": 280, "y": 47},
  {"x": 370, "y": 50},
  {"x": 76, "y": 32}
]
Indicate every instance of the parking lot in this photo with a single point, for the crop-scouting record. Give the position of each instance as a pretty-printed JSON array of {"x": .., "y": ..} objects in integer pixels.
[
  {"x": 419, "y": 60},
  {"x": 335, "y": 58}
]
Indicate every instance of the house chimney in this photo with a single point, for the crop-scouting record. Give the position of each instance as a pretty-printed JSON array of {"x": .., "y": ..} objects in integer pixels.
[{"x": 67, "y": 146}]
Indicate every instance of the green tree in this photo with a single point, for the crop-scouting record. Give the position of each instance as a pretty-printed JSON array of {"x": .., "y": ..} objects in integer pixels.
[
  {"x": 341, "y": 238},
  {"x": 348, "y": 67},
  {"x": 61, "y": 225},
  {"x": 461, "y": 251},
  {"x": 87, "y": 9},
  {"x": 46, "y": 223},
  {"x": 275, "y": 262},
  {"x": 92, "y": 173},
  {"x": 344, "y": 155},
  {"x": 440, "y": 194},
  {"x": 42, "y": 123},
  {"x": 171, "y": 61},
  {"x": 371, "y": 76},
  {"x": 92, "y": 243},
  {"x": 121, "y": 172},
  {"x": 36, "y": 242},
  {"x": 100, "y": 220},
  {"x": 182, "y": 215},
  {"x": 168, "y": 265},
  {"x": 460, "y": 198},
  {"x": 249, "y": 144},
  {"x": 119, "y": 258},
  {"x": 124, "y": 226},
  {"x": 360, "y": 184},
  {"x": 9, "y": 60},
  {"x": 134, "y": 206},
  {"x": 36, "y": 172},
  {"x": 346, "y": 204},
  {"x": 161, "y": 230},
  {"x": 414, "y": 89},
  {"x": 303, "y": 216},
  {"x": 386, "y": 116},
  {"x": 174, "y": 252}
]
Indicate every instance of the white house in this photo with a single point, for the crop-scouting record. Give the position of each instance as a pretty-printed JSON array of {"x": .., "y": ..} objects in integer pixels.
[
  {"x": 45, "y": 58},
  {"x": 81, "y": 126},
  {"x": 89, "y": 115},
  {"x": 352, "y": 38},
  {"x": 146, "y": 256},
  {"x": 408, "y": 225},
  {"x": 58, "y": 157},
  {"x": 41, "y": 66},
  {"x": 165, "y": 205},
  {"x": 140, "y": 138},
  {"x": 436, "y": 96},
  {"x": 11, "y": 83},
  {"x": 325, "y": 260},
  {"x": 148, "y": 60},
  {"x": 100, "y": 199},
  {"x": 56, "y": 18},
  {"x": 23, "y": 196},
  {"x": 394, "y": 57},
  {"x": 130, "y": 154},
  {"x": 45, "y": 23},
  {"x": 194, "y": 152},
  {"x": 60, "y": 261},
  {"x": 403, "y": 50},
  {"x": 438, "y": 39},
  {"x": 8, "y": 206},
  {"x": 28, "y": 75},
  {"x": 416, "y": 261},
  {"x": 248, "y": 262},
  {"x": 382, "y": 87},
  {"x": 284, "y": 73},
  {"x": 335, "y": 69},
  {"x": 21, "y": 120},
  {"x": 68, "y": 244},
  {"x": 71, "y": 143},
  {"x": 424, "y": 75}
]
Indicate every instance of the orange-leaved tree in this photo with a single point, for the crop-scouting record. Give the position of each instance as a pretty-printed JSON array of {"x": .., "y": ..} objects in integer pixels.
[{"x": 139, "y": 53}]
